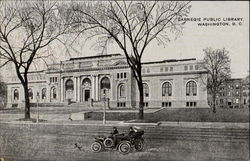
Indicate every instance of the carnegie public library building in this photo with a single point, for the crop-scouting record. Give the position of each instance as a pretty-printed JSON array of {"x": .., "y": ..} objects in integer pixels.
[{"x": 167, "y": 83}]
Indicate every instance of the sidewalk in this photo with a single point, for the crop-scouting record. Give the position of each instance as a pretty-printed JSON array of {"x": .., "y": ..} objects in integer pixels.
[
  {"x": 64, "y": 119},
  {"x": 217, "y": 125}
]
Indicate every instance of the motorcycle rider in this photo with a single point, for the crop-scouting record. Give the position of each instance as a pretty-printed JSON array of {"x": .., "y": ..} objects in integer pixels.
[
  {"x": 111, "y": 139},
  {"x": 115, "y": 131},
  {"x": 131, "y": 130}
]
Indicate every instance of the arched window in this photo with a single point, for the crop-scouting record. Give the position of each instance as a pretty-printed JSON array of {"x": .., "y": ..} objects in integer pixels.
[
  {"x": 16, "y": 94},
  {"x": 191, "y": 88},
  {"x": 145, "y": 90},
  {"x": 122, "y": 90},
  {"x": 86, "y": 82},
  {"x": 166, "y": 89},
  {"x": 30, "y": 93},
  {"x": 53, "y": 93},
  {"x": 43, "y": 93},
  {"x": 69, "y": 85},
  {"x": 105, "y": 83}
]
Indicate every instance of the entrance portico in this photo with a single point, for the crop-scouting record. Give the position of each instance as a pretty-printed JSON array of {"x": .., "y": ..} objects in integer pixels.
[
  {"x": 83, "y": 88},
  {"x": 86, "y": 90}
]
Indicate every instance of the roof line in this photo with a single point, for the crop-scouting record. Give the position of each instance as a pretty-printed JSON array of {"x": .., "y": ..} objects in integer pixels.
[
  {"x": 92, "y": 57},
  {"x": 168, "y": 61}
]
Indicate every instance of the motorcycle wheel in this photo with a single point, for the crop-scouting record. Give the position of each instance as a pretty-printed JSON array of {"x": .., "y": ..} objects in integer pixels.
[
  {"x": 139, "y": 145},
  {"x": 96, "y": 147},
  {"x": 124, "y": 147}
]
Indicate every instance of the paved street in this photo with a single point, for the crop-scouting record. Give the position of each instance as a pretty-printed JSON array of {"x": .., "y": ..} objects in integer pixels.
[{"x": 55, "y": 141}]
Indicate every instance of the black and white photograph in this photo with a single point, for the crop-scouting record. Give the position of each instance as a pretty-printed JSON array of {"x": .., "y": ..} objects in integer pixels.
[{"x": 124, "y": 80}]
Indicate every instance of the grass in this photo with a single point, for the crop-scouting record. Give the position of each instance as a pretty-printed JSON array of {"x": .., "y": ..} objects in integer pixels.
[
  {"x": 200, "y": 115},
  {"x": 180, "y": 114}
]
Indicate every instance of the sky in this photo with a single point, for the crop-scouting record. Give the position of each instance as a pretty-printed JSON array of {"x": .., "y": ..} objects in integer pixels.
[
  {"x": 235, "y": 39},
  {"x": 195, "y": 38}
]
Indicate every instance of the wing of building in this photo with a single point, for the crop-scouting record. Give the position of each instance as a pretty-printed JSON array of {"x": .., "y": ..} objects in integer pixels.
[{"x": 167, "y": 83}]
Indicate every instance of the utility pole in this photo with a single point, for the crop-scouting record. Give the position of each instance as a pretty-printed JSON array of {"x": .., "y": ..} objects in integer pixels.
[{"x": 104, "y": 110}]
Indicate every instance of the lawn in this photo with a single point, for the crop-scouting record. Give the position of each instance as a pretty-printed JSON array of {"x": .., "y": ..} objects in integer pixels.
[{"x": 180, "y": 114}]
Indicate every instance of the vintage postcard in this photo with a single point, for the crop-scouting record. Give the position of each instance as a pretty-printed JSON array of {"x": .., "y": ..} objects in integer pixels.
[{"x": 124, "y": 80}]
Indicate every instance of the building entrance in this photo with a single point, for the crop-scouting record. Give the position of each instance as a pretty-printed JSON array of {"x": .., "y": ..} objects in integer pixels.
[
  {"x": 86, "y": 87},
  {"x": 105, "y": 87},
  {"x": 86, "y": 95}
]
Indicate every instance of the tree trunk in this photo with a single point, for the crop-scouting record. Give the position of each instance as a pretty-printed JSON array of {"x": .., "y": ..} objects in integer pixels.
[
  {"x": 141, "y": 96},
  {"x": 27, "y": 102},
  {"x": 214, "y": 101},
  {"x": 141, "y": 101}
]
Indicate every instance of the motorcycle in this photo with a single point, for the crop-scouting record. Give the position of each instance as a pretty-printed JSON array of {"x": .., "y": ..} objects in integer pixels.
[{"x": 124, "y": 143}]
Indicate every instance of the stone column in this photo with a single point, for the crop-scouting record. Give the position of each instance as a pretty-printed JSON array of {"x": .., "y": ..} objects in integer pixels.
[
  {"x": 96, "y": 88},
  {"x": 75, "y": 88},
  {"x": 111, "y": 87},
  {"x": 62, "y": 94},
  {"x": 78, "y": 89},
  {"x": 93, "y": 87}
]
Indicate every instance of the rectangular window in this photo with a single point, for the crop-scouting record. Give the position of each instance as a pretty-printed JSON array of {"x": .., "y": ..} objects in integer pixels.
[
  {"x": 148, "y": 70},
  {"x": 50, "y": 80},
  {"x": 196, "y": 67},
  {"x": 161, "y": 69},
  {"x": 55, "y": 79},
  {"x": 121, "y": 104},
  {"x": 166, "y": 104},
  {"x": 190, "y": 67},
  {"x": 191, "y": 104},
  {"x": 171, "y": 69},
  {"x": 166, "y": 69},
  {"x": 117, "y": 75},
  {"x": 187, "y": 104},
  {"x": 121, "y": 75},
  {"x": 185, "y": 67},
  {"x": 194, "y": 104},
  {"x": 125, "y": 75}
]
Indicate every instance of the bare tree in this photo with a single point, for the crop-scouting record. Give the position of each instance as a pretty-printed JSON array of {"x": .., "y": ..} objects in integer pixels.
[
  {"x": 26, "y": 29},
  {"x": 132, "y": 25},
  {"x": 217, "y": 63}
]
